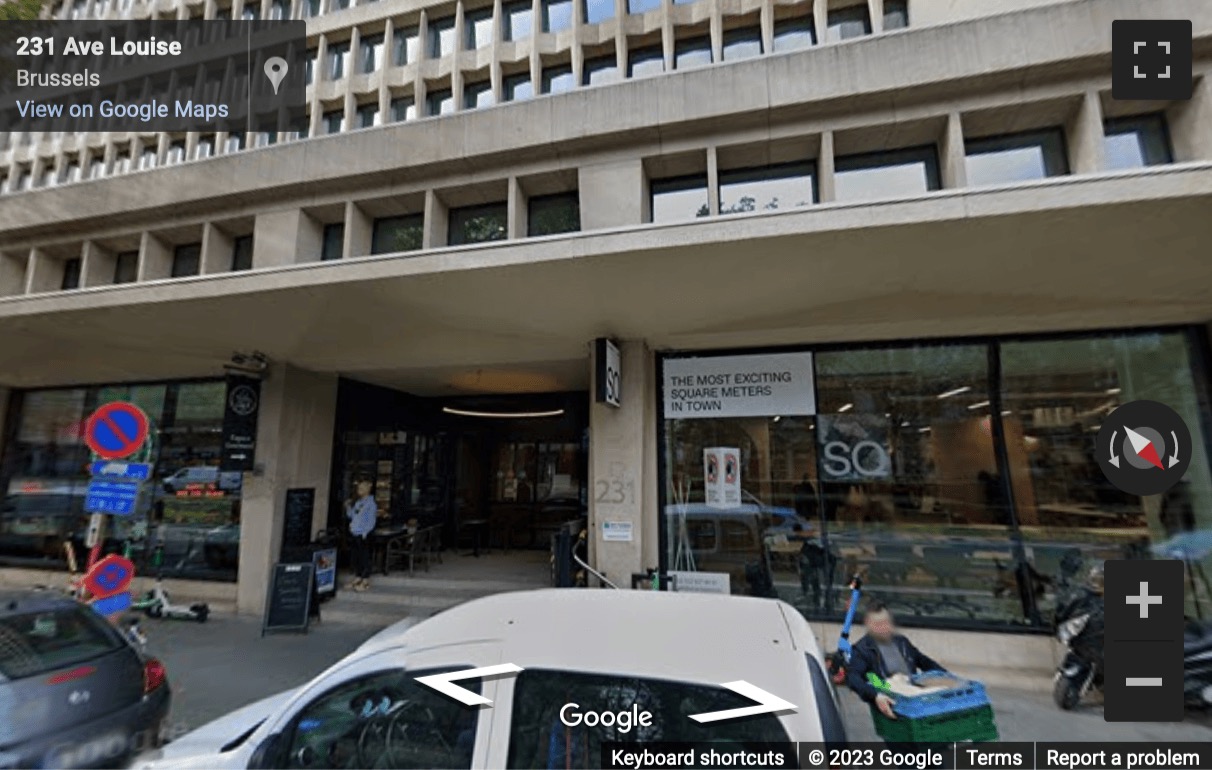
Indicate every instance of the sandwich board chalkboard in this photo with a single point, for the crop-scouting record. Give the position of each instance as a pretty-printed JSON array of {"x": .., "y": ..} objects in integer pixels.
[
  {"x": 296, "y": 525},
  {"x": 289, "y": 605}
]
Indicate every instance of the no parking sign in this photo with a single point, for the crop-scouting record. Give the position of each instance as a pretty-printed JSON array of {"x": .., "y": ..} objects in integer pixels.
[{"x": 116, "y": 430}]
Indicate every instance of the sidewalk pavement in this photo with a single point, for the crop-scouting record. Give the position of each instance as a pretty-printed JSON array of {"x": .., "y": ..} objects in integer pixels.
[{"x": 225, "y": 663}]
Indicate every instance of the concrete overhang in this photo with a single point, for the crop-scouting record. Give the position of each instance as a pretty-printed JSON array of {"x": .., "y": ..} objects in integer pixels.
[{"x": 1113, "y": 250}]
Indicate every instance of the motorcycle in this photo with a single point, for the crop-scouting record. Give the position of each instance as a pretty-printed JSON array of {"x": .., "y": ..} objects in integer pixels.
[
  {"x": 1080, "y": 627},
  {"x": 1197, "y": 665}
]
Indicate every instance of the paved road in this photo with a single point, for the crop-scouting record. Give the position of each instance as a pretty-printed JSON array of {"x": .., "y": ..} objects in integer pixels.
[{"x": 225, "y": 663}]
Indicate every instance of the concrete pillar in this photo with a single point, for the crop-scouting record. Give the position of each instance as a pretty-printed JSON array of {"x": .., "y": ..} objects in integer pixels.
[
  {"x": 612, "y": 194},
  {"x": 826, "y": 184},
  {"x": 713, "y": 181},
  {"x": 951, "y": 154},
  {"x": 517, "y": 208},
  {"x": 13, "y": 267},
  {"x": 155, "y": 258},
  {"x": 45, "y": 273},
  {"x": 216, "y": 250},
  {"x": 623, "y": 469},
  {"x": 359, "y": 229},
  {"x": 1190, "y": 124},
  {"x": 1085, "y": 137},
  {"x": 436, "y": 221},
  {"x": 97, "y": 268},
  {"x": 285, "y": 238},
  {"x": 294, "y": 449}
]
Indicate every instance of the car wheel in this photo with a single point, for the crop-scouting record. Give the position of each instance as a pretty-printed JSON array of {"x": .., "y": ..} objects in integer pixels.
[{"x": 1065, "y": 693}]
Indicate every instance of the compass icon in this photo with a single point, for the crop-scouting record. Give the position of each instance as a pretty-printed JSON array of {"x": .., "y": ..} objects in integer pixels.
[{"x": 1144, "y": 448}]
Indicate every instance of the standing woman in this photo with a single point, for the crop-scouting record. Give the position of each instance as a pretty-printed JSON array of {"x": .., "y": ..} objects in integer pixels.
[{"x": 361, "y": 513}]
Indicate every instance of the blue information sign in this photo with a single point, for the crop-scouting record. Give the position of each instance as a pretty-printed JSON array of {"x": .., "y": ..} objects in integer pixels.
[
  {"x": 116, "y": 469},
  {"x": 115, "y": 497}
]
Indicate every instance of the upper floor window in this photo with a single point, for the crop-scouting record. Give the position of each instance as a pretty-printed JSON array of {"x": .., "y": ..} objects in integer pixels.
[
  {"x": 70, "y": 172},
  {"x": 122, "y": 162},
  {"x": 337, "y": 54},
  {"x": 518, "y": 87},
  {"x": 187, "y": 260},
  {"x": 478, "y": 224},
  {"x": 126, "y": 267},
  {"x": 71, "y": 273},
  {"x": 242, "y": 253},
  {"x": 441, "y": 37},
  {"x": 597, "y": 11},
  {"x": 695, "y": 52},
  {"x": 645, "y": 61},
  {"x": 205, "y": 147},
  {"x": 234, "y": 143},
  {"x": 24, "y": 179},
  {"x": 1135, "y": 142},
  {"x": 249, "y": 13},
  {"x": 332, "y": 241},
  {"x": 478, "y": 24},
  {"x": 332, "y": 122},
  {"x": 1016, "y": 157},
  {"x": 603, "y": 69},
  {"x": 891, "y": 174},
  {"x": 768, "y": 188},
  {"x": 742, "y": 43},
  {"x": 557, "y": 79},
  {"x": 176, "y": 152},
  {"x": 407, "y": 46},
  {"x": 896, "y": 14},
  {"x": 370, "y": 53},
  {"x": 96, "y": 168},
  {"x": 393, "y": 234},
  {"x": 557, "y": 15},
  {"x": 477, "y": 94},
  {"x": 642, "y": 6},
  {"x": 679, "y": 198},
  {"x": 403, "y": 108},
  {"x": 519, "y": 20},
  {"x": 439, "y": 102},
  {"x": 849, "y": 22},
  {"x": 309, "y": 9},
  {"x": 368, "y": 115},
  {"x": 148, "y": 158},
  {"x": 552, "y": 214},
  {"x": 793, "y": 34},
  {"x": 48, "y": 178},
  {"x": 277, "y": 10}
]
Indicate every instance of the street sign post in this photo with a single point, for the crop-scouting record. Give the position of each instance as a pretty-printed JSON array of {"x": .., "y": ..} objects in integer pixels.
[
  {"x": 113, "y": 497},
  {"x": 116, "y": 430},
  {"x": 121, "y": 470}
]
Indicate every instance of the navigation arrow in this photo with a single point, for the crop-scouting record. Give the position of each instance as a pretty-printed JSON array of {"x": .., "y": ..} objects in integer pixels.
[
  {"x": 1174, "y": 457},
  {"x": 444, "y": 683},
  {"x": 1114, "y": 457},
  {"x": 766, "y": 703},
  {"x": 1144, "y": 448}
]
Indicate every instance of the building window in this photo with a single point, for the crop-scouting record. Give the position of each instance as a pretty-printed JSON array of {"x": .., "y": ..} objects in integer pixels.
[
  {"x": 248, "y": 14},
  {"x": 71, "y": 274},
  {"x": 277, "y": 10},
  {"x": 24, "y": 179},
  {"x": 187, "y": 260},
  {"x": 339, "y": 5},
  {"x": 242, "y": 253},
  {"x": 1137, "y": 142},
  {"x": 70, "y": 173},
  {"x": 476, "y": 95},
  {"x": 233, "y": 143},
  {"x": 642, "y": 6},
  {"x": 332, "y": 122},
  {"x": 332, "y": 245},
  {"x": 370, "y": 58},
  {"x": 478, "y": 25},
  {"x": 517, "y": 87},
  {"x": 205, "y": 147},
  {"x": 337, "y": 54},
  {"x": 1016, "y": 157},
  {"x": 478, "y": 224},
  {"x": 603, "y": 69},
  {"x": 441, "y": 37},
  {"x": 368, "y": 115},
  {"x": 695, "y": 52},
  {"x": 176, "y": 152},
  {"x": 645, "y": 61},
  {"x": 403, "y": 108},
  {"x": 439, "y": 102},
  {"x": 896, "y": 14},
  {"x": 742, "y": 43},
  {"x": 794, "y": 34},
  {"x": 847, "y": 23},
  {"x": 557, "y": 15},
  {"x": 407, "y": 46},
  {"x": 769, "y": 188},
  {"x": 894, "y": 174},
  {"x": 96, "y": 168},
  {"x": 597, "y": 11},
  {"x": 126, "y": 267},
  {"x": 679, "y": 198},
  {"x": 519, "y": 20},
  {"x": 557, "y": 79},
  {"x": 394, "y": 234},
  {"x": 553, "y": 214},
  {"x": 148, "y": 158}
]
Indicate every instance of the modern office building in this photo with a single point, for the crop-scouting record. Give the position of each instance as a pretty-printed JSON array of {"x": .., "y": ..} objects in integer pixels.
[{"x": 886, "y": 264}]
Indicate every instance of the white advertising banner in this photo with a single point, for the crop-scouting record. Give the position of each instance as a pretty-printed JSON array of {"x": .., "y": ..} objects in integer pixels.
[
  {"x": 702, "y": 582},
  {"x": 722, "y": 477},
  {"x": 763, "y": 385}
]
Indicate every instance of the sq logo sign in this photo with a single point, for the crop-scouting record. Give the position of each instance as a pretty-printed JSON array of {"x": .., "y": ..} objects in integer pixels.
[{"x": 1151, "y": 59}]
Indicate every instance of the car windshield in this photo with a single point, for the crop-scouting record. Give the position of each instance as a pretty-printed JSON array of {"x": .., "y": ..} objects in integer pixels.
[{"x": 36, "y": 642}]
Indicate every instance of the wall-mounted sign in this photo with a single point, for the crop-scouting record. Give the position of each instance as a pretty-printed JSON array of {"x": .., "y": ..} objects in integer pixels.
[
  {"x": 722, "y": 477},
  {"x": 616, "y": 531},
  {"x": 763, "y": 385},
  {"x": 240, "y": 423},
  {"x": 607, "y": 372},
  {"x": 854, "y": 447}
]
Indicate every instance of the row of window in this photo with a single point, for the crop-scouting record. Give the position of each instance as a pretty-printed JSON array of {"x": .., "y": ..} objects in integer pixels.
[
  {"x": 186, "y": 261},
  {"x": 1128, "y": 143}
]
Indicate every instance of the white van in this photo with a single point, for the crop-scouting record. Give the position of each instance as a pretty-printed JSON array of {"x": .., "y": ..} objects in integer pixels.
[{"x": 202, "y": 477}]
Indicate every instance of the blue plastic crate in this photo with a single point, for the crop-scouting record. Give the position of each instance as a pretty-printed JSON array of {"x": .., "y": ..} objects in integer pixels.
[{"x": 969, "y": 695}]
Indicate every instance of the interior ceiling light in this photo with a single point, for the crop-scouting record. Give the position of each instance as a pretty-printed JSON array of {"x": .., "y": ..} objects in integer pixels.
[
  {"x": 502, "y": 415},
  {"x": 845, "y": 407},
  {"x": 956, "y": 392},
  {"x": 978, "y": 405}
]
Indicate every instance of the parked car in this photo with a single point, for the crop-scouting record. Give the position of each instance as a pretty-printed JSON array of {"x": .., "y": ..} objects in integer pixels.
[
  {"x": 731, "y": 540},
  {"x": 601, "y": 651},
  {"x": 74, "y": 692},
  {"x": 38, "y": 515},
  {"x": 202, "y": 477}
]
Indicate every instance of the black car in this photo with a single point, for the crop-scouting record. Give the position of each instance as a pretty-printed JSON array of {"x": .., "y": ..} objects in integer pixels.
[{"x": 73, "y": 691}]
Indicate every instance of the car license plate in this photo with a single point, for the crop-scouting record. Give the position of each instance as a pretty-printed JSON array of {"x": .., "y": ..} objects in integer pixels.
[{"x": 94, "y": 752}]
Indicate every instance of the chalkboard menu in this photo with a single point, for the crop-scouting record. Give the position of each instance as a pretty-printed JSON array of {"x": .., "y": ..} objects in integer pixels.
[
  {"x": 288, "y": 607},
  {"x": 296, "y": 531}
]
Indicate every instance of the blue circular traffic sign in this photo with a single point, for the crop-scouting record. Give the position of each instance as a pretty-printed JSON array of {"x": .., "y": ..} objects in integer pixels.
[{"x": 116, "y": 430}]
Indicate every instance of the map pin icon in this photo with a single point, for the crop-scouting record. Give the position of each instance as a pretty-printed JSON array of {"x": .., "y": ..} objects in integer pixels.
[{"x": 275, "y": 70}]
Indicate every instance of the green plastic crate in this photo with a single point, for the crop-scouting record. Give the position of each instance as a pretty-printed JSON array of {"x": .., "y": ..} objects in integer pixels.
[{"x": 974, "y": 724}]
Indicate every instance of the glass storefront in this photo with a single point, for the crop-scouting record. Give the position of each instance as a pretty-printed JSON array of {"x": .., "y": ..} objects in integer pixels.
[
  {"x": 188, "y": 505},
  {"x": 958, "y": 478}
]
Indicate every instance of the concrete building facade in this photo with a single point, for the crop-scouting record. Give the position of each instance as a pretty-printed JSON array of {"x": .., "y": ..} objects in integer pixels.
[{"x": 893, "y": 189}]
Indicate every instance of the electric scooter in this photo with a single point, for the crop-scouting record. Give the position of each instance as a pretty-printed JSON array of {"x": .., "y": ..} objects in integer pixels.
[
  {"x": 156, "y": 603},
  {"x": 840, "y": 660}
]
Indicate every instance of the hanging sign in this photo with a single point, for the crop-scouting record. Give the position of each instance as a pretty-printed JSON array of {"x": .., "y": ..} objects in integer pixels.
[
  {"x": 240, "y": 423},
  {"x": 763, "y": 385},
  {"x": 607, "y": 372}
]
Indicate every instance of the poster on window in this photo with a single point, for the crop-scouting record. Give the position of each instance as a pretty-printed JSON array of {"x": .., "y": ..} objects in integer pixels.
[
  {"x": 722, "y": 477},
  {"x": 854, "y": 447},
  {"x": 764, "y": 385}
]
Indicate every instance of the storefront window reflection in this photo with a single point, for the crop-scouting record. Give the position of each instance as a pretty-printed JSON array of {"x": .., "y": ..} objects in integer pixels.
[{"x": 189, "y": 508}]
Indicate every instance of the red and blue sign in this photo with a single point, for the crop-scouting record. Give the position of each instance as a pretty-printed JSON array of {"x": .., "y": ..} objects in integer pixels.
[
  {"x": 108, "y": 582},
  {"x": 116, "y": 430}
]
